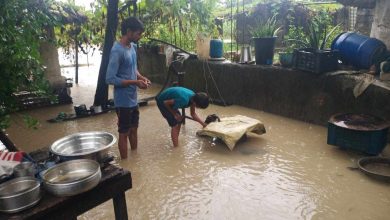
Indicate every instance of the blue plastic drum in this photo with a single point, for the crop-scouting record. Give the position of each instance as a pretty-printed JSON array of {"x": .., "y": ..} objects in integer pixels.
[
  {"x": 359, "y": 50},
  {"x": 216, "y": 48}
]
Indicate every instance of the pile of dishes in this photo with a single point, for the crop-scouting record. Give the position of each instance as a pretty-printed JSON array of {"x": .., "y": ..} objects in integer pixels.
[{"x": 78, "y": 171}]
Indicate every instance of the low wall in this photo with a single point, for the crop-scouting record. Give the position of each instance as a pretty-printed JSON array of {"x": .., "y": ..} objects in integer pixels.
[{"x": 291, "y": 93}]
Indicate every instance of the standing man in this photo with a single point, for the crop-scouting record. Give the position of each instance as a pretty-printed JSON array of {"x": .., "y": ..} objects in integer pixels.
[{"x": 122, "y": 72}]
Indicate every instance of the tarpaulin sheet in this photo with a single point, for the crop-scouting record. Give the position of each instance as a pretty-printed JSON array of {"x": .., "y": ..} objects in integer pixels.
[{"x": 231, "y": 129}]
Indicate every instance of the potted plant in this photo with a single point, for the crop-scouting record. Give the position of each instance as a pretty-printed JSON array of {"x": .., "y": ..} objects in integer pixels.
[
  {"x": 264, "y": 37},
  {"x": 287, "y": 53},
  {"x": 312, "y": 55}
]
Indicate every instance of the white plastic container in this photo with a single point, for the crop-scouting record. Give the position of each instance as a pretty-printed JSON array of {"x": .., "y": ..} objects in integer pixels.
[{"x": 203, "y": 46}]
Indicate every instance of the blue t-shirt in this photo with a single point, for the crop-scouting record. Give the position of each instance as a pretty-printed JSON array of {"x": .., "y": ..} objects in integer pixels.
[
  {"x": 181, "y": 95},
  {"x": 123, "y": 66}
]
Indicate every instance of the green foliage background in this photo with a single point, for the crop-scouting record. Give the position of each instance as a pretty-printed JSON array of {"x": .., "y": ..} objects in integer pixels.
[{"x": 22, "y": 28}]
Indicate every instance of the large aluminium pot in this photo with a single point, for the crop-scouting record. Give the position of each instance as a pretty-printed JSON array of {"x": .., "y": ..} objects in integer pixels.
[
  {"x": 72, "y": 177},
  {"x": 92, "y": 145}
]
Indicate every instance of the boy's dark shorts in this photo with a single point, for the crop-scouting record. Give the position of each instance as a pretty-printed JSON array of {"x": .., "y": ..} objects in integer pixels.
[
  {"x": 127, "y": 118},
  {"x": 168, "y": 115}
]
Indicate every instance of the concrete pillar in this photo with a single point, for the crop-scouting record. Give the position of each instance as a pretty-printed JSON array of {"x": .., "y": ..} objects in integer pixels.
[
  {"x": 381, "y": 24},
  {"x": 49, "y": 56}
]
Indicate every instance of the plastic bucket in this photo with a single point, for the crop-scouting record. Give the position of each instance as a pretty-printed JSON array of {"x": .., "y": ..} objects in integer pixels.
[
  {"x": 264, "y": 50},
  {"x": 359, "y": 50},
  {"x": 216, "y": 48}
]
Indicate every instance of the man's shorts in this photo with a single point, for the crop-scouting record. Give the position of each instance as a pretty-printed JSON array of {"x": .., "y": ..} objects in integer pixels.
[
  {"x": 168, "y": 115},
  {"x": 127, "y": 118}
]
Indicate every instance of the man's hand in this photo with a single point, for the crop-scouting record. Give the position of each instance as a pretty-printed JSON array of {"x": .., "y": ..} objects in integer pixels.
[
  {"x": 142, "y": 84},
  {"x": 143, "y": 78},
  {"x": 147, "y": 81}
]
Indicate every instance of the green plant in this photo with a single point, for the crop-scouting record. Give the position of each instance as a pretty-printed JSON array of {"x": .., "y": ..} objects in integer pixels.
[
  {"x": 22, "y": 29},
  {"x": 290, "y": 44},
  {"x": 269, "y": 28},
  {"x": 177, "y": 22},
  {"x": 315, "y": 35}
]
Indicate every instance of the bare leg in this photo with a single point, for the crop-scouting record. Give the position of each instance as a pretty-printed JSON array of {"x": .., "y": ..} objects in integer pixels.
[
  {"x": 175, "y": 134},
  {"x": 122, "y": 145},
  {"x": 133, "y": 138}
]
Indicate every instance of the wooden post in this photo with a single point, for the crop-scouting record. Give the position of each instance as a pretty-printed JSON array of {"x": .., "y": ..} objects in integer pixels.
[
  {"x": 7, "y": 142},
  {"x": 120, "y": 207},
  {"x": 76, "y": 47}
]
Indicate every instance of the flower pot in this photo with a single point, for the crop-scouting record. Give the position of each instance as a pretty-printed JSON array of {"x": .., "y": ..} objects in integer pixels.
[
  {"x": 286, "y": 59},
  {"x": 264, "y": 50}
]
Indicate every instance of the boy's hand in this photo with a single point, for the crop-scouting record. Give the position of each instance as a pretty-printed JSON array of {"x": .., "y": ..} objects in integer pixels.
[{"x": 178, "y": 118}]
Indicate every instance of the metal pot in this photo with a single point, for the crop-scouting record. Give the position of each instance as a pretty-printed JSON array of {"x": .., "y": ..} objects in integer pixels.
[
  {"x": 19, "y": 194},
  {"x": 96, "y": 109},
  {"x": 85, "y": 145},
  {"x": 72, "y": 177}
]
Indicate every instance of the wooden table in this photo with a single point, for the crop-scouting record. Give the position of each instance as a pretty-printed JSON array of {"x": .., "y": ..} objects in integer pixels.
[{"x": 115, "y": 181}]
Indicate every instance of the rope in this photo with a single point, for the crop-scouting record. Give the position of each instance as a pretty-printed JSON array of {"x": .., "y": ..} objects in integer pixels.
[{"x": 215, "y": 84}]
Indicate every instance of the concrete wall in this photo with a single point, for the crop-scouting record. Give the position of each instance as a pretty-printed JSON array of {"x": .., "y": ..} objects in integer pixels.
[
  {"x": 364, "y": 20},
  {"x": 292, "y": 93}
]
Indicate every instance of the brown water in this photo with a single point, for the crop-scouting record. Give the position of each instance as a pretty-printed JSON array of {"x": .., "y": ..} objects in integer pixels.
[{"x": 288, "y": 173}]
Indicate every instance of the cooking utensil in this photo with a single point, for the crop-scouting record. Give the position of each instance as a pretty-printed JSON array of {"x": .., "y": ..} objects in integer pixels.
[
  {"x": 19, "y": 194},
  {"x": 25, "y": 169},
  {"x": 72, "y": 177},
  {"x": 86, "y": 145},
  {"x": 245, "y": 55},
  {"x": 96, "y": 109},
  {"x": 376, "y": 167}
]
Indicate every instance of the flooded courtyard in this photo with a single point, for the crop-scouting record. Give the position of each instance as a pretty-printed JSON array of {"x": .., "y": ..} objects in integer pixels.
[{"x": 288, "y": 173}]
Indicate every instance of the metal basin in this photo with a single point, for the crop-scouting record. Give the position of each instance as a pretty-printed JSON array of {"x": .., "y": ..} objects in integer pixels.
[
  {"x": 19, "y": 194},
  {"x": 376, "y": 167},
  {"x": 87, "y": 145},
  {"x": 72, "y": 177}
]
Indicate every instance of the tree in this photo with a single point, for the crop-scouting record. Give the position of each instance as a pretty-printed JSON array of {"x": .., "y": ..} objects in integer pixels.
[
  {"x": 101, "y": 95},
  {"x": 22, "y": 23}
]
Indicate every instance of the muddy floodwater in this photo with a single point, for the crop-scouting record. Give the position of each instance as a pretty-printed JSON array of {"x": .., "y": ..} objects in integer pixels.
[{"x": 288, "y": 173}]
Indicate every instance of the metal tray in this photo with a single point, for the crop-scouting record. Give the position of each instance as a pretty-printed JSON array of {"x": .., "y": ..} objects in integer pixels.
[{"x": 376, "y": 167}]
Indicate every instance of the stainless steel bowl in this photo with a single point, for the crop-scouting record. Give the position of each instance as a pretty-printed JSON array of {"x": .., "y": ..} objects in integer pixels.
[
  {"x": 87, "y": 145},
  {"x": 72, "y": 177},
  {"x": 19, "y": 194}
]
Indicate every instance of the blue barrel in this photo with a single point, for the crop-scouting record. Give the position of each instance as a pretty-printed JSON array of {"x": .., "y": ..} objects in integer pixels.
[
  {"x": 359, "y": 50},
  {"x": 216, "y": 48}
]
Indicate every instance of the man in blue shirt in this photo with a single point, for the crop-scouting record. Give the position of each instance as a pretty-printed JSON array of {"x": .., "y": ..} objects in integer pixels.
[
  {"x": 172, "y": 99},
  {"x": 122, "y": 72}
]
